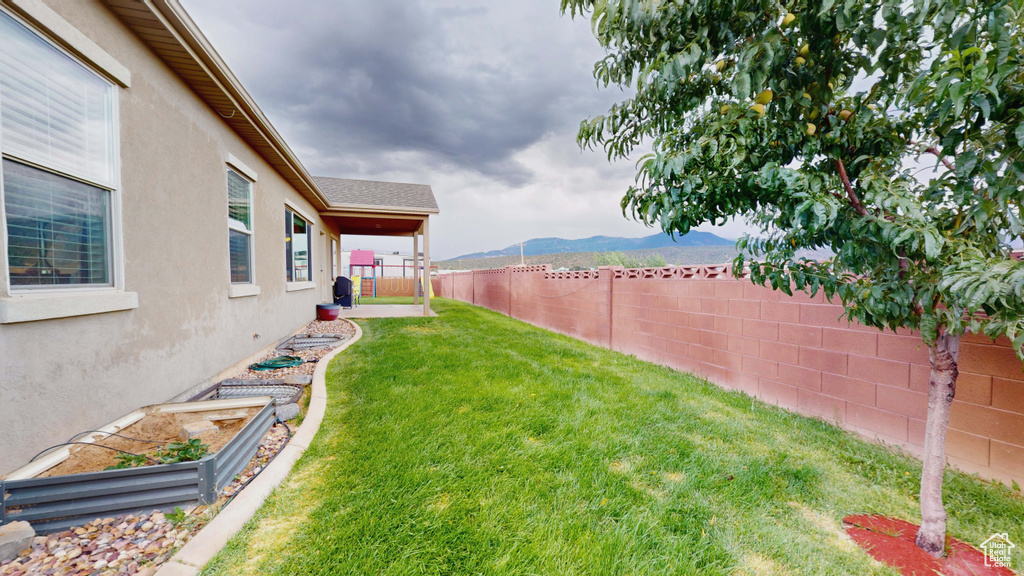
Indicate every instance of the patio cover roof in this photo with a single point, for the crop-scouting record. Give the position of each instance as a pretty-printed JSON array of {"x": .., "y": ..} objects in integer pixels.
[{"x": 373, "y": 208}]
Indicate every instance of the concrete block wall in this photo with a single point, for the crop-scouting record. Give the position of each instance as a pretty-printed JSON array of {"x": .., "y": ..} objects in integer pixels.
[{"x": 792, "y": 351}]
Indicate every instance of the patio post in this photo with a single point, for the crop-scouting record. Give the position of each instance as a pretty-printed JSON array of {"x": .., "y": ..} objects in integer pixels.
[
  {"x": 415, "y": 267},
  {"x": 426, "y": 266}
]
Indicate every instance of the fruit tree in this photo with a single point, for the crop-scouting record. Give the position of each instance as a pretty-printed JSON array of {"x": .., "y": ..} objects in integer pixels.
[{"x": 888, "y": 131}]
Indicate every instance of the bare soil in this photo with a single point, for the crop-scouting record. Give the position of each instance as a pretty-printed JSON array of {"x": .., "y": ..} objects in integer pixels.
[{"x": 159, "y": 428}]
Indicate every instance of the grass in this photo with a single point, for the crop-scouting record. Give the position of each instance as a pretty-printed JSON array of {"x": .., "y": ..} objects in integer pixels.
[
  {"x": 471, "y": 443},
  {"x": 388, "y": 300}
]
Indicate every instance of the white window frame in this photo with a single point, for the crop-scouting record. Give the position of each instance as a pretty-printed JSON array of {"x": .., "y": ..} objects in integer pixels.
[
  {"x": 244, "y": 289},
  {"x": 27, "y": 304},
  {"x": 292, "y": 286}
]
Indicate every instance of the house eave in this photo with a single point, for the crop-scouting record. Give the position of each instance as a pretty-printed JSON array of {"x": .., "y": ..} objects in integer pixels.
[{"x": 173, "y": 36}]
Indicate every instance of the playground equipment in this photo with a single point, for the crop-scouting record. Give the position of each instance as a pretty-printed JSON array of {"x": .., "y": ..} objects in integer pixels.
[{"x": 376, "y": 279}]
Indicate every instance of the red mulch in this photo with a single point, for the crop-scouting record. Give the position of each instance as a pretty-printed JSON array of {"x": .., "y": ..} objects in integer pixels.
[{"x": 891, "y": 541}]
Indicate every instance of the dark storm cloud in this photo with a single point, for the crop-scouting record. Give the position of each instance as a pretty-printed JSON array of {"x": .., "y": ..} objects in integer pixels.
[{"x": 462, "y": 84}]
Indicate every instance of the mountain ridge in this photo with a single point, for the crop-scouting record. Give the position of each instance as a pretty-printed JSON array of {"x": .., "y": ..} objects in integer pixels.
[{"x": 555, "y": 245}]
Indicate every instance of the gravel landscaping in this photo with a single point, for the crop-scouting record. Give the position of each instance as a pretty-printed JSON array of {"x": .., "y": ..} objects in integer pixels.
[{"x": 140, "y": 543}]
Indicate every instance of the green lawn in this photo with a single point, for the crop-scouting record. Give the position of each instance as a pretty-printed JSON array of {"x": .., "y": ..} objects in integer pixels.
[
  {"x": 471, "y": 443},
  {"x": 387, "y": 300}
]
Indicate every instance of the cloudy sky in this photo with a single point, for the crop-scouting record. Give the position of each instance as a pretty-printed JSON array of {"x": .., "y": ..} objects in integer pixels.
[{"x": 480, "y": 99}]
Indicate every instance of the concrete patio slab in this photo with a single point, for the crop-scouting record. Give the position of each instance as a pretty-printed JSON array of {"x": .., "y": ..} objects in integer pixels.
[{"x": 385, "y": 311}]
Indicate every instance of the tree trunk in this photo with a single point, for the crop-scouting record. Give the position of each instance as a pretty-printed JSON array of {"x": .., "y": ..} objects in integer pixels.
[{"x": 944, "y": 355}]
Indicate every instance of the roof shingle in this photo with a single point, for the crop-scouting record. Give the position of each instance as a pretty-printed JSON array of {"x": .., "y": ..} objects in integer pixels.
[{"x": 345, "y": 192}]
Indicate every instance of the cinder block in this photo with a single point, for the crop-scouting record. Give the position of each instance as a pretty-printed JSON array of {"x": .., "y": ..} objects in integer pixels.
[
  {"x": 760, "y": 329},
  {"x": 967, "y": 447},
  {"x": 729, "y": 288},
  {"x": 298, "y": 379},
  {"x": 741, "y": 345},
  {"x": 800, "y": 335},
  {"x": 753, "y": 291},
  {"x": 714, "y": 306},
  {"x": 1007, "y": 395},
  {"x": 902, "y": 401},
  {"x": 760, "y": 367},
  {"x": 778, "y": 393},
  {"x": 849, "y": 389},
  {"x": 822, "y": 406},
  {"x": 823, "y": 360},
  {"x": 14, "y": 538},
  {"x": 879, "y": 371},
  {"x": 903, "y": 348},
  {"x": 728, "y": 360},
  {"x": 1008, "y": 458},
  {"x": 780, "y": 312},
  {"x": 999, "y": 425},
  {"x": 193, "y": 429},
  {"x": 714, "y": 340},
  {"x": 779, "y": 351},
  {"x": 818, "y": 315},
  {"x": 745, "y": 309},
  {"x": 849, "y": 341},
  {"x": 800, "y": 377},
  {"x": 880, "y": 421},
  {"x": 977, "y": 389},
  {"x": 997, "y": 361},
  {"x": 728, "y": 325}
]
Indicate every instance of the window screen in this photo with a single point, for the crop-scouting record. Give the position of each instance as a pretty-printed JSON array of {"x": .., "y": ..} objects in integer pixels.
[
  {"x": 240, "y": 228},
  {"x": 57, "y": 231}
]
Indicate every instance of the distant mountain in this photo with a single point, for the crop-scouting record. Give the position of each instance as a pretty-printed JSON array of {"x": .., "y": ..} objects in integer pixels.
[{"x": 538, "y": 246}]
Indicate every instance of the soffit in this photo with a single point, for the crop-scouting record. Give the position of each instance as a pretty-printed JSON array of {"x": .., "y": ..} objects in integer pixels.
[{"x": 172, "y": 35}]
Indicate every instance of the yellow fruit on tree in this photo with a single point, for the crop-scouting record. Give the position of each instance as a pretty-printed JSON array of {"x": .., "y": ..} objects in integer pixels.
[
  {"x": 788, "y": 19},
  {"x": 799, "y": 61},
  {"x": 805, "y": 50},
  {"x": 764, "y": 97},
  {"x": 813, "y": 114},
  {"x": 811, "y": 129},
  {"x": 720, "y": 65},
  {"x": 726, "y": 108},
  {"x": 845, "y": 114},
  {"x": 759, "y": 108},
  {"x": 808, "y": 96}
]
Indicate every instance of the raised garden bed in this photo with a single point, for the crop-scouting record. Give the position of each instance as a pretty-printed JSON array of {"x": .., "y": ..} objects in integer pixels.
[{"x": 82, "y": 490}]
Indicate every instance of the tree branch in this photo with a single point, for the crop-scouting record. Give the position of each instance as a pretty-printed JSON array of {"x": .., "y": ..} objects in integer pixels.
[
  {"x": 854, "y": 200},
  {"x": 945, "y": 162}
]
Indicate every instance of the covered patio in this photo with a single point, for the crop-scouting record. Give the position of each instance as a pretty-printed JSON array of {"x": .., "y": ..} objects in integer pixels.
[{"x": 370, "y": 208}]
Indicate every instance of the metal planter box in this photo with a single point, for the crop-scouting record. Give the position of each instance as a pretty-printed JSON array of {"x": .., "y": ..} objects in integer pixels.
[{"x": 59, "y": 502}]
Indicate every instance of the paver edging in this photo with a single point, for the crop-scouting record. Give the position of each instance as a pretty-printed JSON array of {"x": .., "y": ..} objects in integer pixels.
[{"x": 206, "y": 543}]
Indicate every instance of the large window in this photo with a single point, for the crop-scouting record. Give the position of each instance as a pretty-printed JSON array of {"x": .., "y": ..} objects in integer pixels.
[
  {"x": 59, "y": 175},
  {"x": 298, "y": 246},
  {"x": 240, "y": 227}
]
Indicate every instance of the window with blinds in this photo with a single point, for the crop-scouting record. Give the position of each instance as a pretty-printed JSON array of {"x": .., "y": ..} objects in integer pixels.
[
  {"x": 57, "y": 137},
  {"x": 240, "y": 228}
]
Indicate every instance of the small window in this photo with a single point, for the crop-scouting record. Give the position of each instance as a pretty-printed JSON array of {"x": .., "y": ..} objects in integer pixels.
[
  {"x": 58, "y": 140},
  {"x": 298, "y": 247},
  {"x": 240, "y": 228}
]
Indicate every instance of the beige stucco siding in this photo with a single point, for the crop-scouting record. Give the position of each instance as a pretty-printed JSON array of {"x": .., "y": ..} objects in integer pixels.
[{"x": 61, "y": 376}]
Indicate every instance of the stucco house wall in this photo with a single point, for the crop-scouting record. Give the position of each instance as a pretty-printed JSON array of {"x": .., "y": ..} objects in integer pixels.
[{"x": 65, "y": 375}]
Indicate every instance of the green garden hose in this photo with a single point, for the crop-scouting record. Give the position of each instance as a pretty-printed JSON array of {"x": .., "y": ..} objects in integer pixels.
[{"x": 277, "y": 363}]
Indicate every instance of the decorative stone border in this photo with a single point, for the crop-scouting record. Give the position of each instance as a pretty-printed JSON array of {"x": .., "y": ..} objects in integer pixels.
[{"x": 206, "y": 543}]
